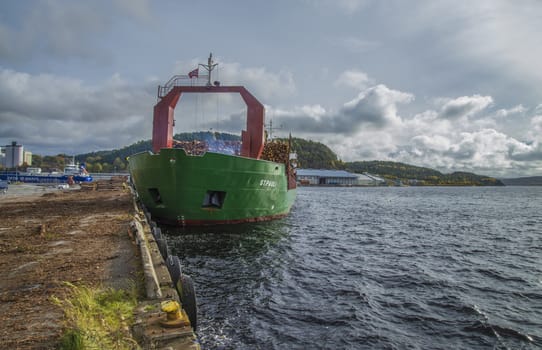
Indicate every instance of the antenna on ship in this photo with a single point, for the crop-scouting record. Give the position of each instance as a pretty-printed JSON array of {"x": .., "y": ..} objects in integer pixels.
[
  {"x": 270, "y": 129},
  {"x": 209, "y": 67}
]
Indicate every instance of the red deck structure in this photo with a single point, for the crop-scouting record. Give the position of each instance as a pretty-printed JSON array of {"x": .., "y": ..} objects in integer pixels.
[{"x": 252, "y": 138}]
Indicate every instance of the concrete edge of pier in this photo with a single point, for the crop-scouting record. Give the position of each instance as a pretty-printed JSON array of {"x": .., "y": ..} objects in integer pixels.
[{"x": 158, "y": 288}]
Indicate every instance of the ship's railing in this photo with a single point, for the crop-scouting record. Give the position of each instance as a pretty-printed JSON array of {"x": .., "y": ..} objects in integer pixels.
[{"x": 181, "y": 80}]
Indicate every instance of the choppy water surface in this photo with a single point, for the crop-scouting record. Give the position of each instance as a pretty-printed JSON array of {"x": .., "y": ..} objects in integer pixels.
[{"x": 375, "y": 268}]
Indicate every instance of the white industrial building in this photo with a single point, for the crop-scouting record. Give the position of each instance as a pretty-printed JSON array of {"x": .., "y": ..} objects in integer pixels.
[
  {"x": 336, "y": 178},
  {"x": 27, "y": 157},
  {"x": 13, "y": 156}
]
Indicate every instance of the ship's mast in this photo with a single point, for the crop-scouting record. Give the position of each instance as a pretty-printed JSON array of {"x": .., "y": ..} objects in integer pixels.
[
  {"x": 270, "y": 129},
  {"x": 209, "y": 67}
]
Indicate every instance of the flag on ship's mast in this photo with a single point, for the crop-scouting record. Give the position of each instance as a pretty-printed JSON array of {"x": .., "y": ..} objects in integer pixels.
[{"x": 194, "y": 73}]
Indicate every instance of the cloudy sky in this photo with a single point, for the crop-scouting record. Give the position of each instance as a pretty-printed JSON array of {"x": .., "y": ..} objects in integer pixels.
[{"x": 452, "y": 85}]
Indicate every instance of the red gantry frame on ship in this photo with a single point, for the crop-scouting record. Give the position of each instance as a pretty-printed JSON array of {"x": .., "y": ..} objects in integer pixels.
[{"x": 252, "y": 138}]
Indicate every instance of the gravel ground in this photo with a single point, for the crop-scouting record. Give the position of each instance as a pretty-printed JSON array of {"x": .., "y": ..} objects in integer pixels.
[
  {"x": 25, "y": 189},
  {"x": 50, "y": 236}
]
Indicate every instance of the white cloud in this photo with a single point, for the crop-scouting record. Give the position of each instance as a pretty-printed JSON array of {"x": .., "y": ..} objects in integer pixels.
[
  {"x": 354, "y": 78},
  {"x": 464, "y": 106},
  {"x": 70, "y": 28},
  {"x": 376, "y": 105},
  {"x": 261, "y": 82},
  {"x": 54, "y": 113},
  {"x": 504, "y": 113},
  {"x": 437, "y": 143},
  {"x": 268, "y": 84},
  {"x": 65, "y": 29},
  {"x": 536, "y": 128},
  {"x": 350, "y": 5},
  {"x": 345, "y": 6},
  {"x": 355, "y": 44},
  {"x": 375, "y": 108},
  {"x": 483, "y": 151},
  {"x": 377, "y": 130},
  {"x": 136, "y": 8},
  {"x": 315, "y": 111},
  {"x": 496, "y": 37}
]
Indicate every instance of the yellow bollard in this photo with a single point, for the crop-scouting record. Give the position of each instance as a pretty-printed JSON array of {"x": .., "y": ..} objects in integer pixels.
[{"x": 174, "y": 315}]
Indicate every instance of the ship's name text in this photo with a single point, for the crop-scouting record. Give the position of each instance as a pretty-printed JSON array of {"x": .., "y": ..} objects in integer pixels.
[{"x": 267, "y": 183}]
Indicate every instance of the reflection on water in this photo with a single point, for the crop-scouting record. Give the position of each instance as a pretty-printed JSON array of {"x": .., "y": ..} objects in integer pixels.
[
  {"x": 224, "y": 241},
  {"x": 228, "y": 264}
]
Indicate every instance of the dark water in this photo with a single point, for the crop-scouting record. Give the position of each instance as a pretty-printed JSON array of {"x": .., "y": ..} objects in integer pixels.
[{"x": 375, "y": 268}]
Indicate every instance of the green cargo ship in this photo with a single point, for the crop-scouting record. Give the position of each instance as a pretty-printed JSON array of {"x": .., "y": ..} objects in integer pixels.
[{"x": 183, "y": 186}]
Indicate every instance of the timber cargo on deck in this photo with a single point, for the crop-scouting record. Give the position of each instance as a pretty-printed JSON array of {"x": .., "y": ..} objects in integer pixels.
[{"x": 202, "y": 183}]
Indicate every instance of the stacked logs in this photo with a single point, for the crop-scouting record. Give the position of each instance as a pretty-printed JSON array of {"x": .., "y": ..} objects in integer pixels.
[
  {"x": 193, "y": 148},
  {"x": 225, "y": 147},
  {"x": 276, "y": 151},
  {"x": 198, "y": 148}
]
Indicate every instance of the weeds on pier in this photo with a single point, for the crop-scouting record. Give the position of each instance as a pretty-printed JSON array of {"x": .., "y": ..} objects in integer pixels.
[{"x": 98, "y": 318}]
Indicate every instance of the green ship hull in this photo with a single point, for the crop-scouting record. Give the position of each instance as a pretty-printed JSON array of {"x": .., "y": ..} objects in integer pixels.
[
  {"x": 185, "y": 184},
  {"x": 212, "y": 188}
]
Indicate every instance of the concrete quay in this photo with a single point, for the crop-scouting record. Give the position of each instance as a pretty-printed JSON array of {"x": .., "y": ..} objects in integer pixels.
[{"x": 98, "y": 237}]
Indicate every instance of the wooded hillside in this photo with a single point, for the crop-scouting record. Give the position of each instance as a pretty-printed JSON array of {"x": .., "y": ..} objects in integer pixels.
[
  {"x": 314, "y": 155},
  {"x": 414, "y": 175},
  {"x": 311, "y": 155}
]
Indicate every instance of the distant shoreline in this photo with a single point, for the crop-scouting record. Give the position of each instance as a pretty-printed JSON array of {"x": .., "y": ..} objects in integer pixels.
[{"x": 523, "y": 181}]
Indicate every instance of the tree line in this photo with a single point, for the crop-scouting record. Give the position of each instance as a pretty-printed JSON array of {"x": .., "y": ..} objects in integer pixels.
[
  {"x": 396, "y": 172},
  {"x": 310, "y": 155}
]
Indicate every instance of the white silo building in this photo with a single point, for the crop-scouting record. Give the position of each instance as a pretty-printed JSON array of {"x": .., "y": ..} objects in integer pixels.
[{"x": 14, "y": 155}]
